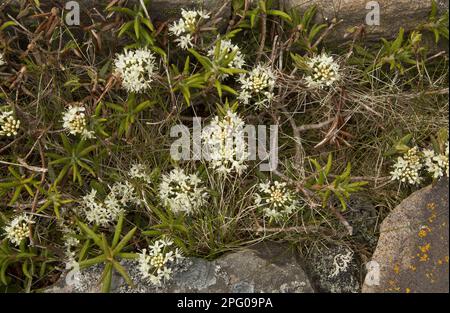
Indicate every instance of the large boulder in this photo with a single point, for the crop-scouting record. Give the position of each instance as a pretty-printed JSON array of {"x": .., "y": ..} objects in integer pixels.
[
  {"x": 157, "y": 9},
  {"x": 266, "y": 267},
  {"x": 393, "y": 14},
  {"x": 412, "y": 252}
]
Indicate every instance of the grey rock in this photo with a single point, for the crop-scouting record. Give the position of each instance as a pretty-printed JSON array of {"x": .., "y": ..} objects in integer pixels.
[
  {"x": 334, "y": 269},
  {"x": 393, "y": 15},
  {"x": 412, "y": 252},
  {"x": 159, "y": 10},
  {"x": 363, "y": 217},
  {"x": 266, "y": 267}
]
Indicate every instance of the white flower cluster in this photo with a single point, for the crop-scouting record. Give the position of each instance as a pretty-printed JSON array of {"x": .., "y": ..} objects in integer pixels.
[
  {"x": 181, "y": 192},
  {"x": 186, "y": 26},
  {"x": 155, "y": 263},
  {"x": 2, "y": 60},
  {"x": 226, "y": 48},
  {"x": 407, "y": 168},
  {"x": 436, "y": 164},
  {"x": 324, "y": 71},
  {"x": 70, "y": 242},
  {"x": 108, "y": 211},
  {"x": 139, "y": 171},
  {"x": 136, "y": 68},
  {"x": 275, "y": 200},
  {"x": 257, "y": 85},
  {"x": 224, "y": 142},
  {"x": 17, "y": 230},
  {"x": 8, "y": 124},
  {"x": 74, "y": 121}
]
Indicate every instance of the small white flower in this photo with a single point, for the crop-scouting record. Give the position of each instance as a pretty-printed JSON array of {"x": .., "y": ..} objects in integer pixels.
[
  {"x": 139, "y": 171},
  {"x": 185, "y": 41},
  {"x": 136, "y": 68},
  {"x": 2, "y": 60},
  {"x": 182, "y": 193},
  {"x": 165, "y": 273},
  {"x": 74, "y": 121},
  {"x": 257, "y": 85},
  {"x": 407, "y": 168},
  {"x": 18, "y": 229},
  {"x": 225, "y": 146},
  {"x": 9, "y": 125},
  {"x": 275, "y": 200},
  {"x": 186, "y": 26},
  {"x": 177, "y": 254},
  {"x": 324, "y": 71}
]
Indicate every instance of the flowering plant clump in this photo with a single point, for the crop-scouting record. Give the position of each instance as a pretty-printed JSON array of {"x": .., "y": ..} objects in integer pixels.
[
  {"x": 275, "y": 200},
  {"x": 186, "y": 26},
  {"x": 181, "y": 192},
  {"x": 9, "y": 125},
  {"x": 258, "y": 86},
  {"x": 324, "y": 71},
  {"x": 74, "y": 121},
  {"x": 155, "y": 263},
  {"x": 108, "y": 211},
  {"x": 18, "y": 229},
  {"x": 225, "y": 144},
  {"x": 136, "y": 68},
  {"x": 408, "y": 168}
]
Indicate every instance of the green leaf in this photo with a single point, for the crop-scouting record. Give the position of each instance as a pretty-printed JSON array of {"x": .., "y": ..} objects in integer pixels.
[
  {"x": 91, "y": 234},
  {"x": 119, "y": 268},
  {"x": 118, "y": 231},
  {"x": 93, "y": 261},
  {"x": 106, "y": 278},
  {"x": 281, "y": 14},
  {"x": 7, "y": 24},
  {"x": 207, "y": 65},
  {"x": 124, "y": 241}
]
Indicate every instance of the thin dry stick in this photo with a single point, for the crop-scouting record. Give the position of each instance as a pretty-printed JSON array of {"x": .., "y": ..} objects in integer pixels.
[
  {"x": 25, "y": 165},
  {"x": 263, "y": 36}
]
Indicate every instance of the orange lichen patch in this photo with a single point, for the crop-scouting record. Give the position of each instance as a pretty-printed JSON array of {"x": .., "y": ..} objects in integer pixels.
[
  {"x": 439, "y": 262},
  {"x": 432, "y": 217},
  {"x": 412, "y": 268},
  {"x": 431, "y": 206},
  {"x": 408, "y": 290},
  {"x": 396, "y": 269},
  {"x": 424, "y": 230},
  {"x": 425, "y": 248},
  {"x": 446, "y": 258}
]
